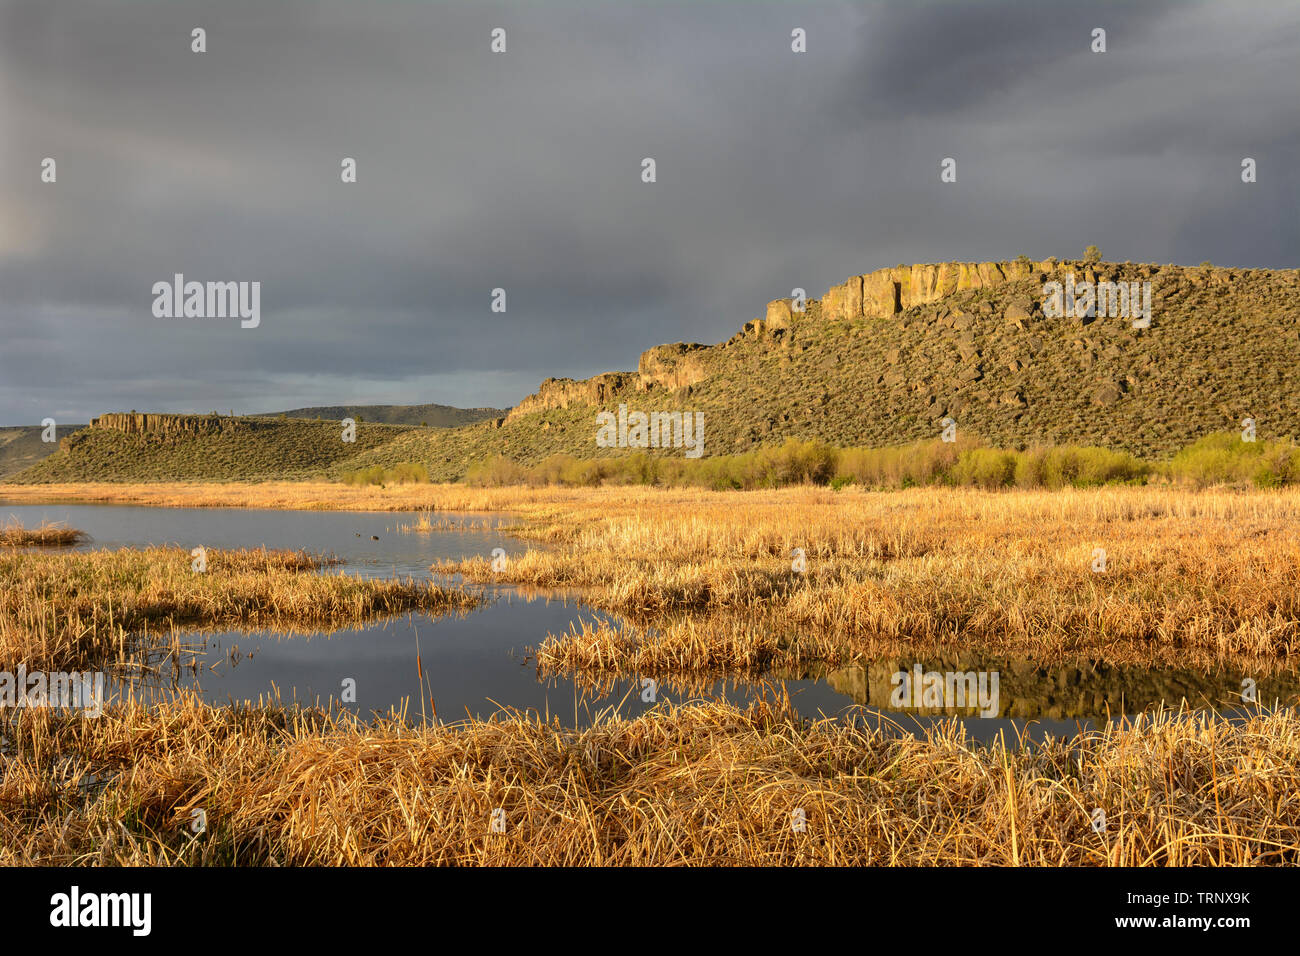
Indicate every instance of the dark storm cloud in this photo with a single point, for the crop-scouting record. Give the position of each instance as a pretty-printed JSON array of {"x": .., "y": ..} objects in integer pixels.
[
  {"x": 928, "y": 58},
  {"x": 522, "y": 171}
]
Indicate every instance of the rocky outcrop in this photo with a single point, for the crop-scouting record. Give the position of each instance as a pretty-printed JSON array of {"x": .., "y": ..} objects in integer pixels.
[
  {"x": 780, "y": 314},
  {"x": 882, "y": 293},
  {"x": 164, "y": 426},
  {"x": 671, "y": 366},
  {"x": 563, "y": 392},
  {"x": 886, "y": 292}
]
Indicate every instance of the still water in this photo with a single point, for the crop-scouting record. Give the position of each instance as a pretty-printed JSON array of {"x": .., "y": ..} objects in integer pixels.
[{"x": 479, "y": 663}]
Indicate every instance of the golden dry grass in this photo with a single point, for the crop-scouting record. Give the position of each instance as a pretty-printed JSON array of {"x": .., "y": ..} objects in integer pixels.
[
  {"x": 294, "y": 495},
  {"x": 1190, "y": 579},
  {"x": 1193, "y": 578},
  {"x": 427, "y": 523},
  {"x": 14, "y": 535},
  {"x": 61, "y": 611},
  {"x": 698, "y": 784}
]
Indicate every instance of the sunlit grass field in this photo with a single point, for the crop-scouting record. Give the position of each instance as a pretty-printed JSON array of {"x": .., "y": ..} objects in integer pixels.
[
  {"x": 703, "y": 784},
  {"x": 706, "y": 583}
]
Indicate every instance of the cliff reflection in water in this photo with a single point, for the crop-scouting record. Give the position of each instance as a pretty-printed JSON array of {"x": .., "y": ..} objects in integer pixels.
[{"x": 1086, "y": 690}]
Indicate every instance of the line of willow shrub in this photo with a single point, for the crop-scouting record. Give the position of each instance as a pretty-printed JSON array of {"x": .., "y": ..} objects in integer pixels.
[
  {"x": 1223, "y": 458},
  {"x": 809, "y": 462},
  {"x": 1216, "y": 459},
  {"x": 400, "y": 474}
]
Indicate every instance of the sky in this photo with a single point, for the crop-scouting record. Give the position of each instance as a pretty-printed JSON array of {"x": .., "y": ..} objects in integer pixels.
[{"x": 523, "y": 171}]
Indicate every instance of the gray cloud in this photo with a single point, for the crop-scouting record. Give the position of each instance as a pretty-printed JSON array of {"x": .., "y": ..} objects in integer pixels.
[{"x": 522, "y": 171}]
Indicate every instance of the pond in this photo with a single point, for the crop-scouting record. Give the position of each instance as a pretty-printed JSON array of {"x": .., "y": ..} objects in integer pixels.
[{"x": 478, "y": 663}]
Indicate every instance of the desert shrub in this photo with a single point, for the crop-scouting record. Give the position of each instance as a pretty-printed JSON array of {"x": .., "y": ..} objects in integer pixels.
[
  {"x": 1215, "y": 459},
  {"x": 1223, "y": 458},
  {"x": 793, "y": 463},
  {"x": 985, "y": 467},
  {"x": 639, "y": 468},
  {"x": 407, "y": 473},
  {"x": 400, "y": 474},
  {"x": 581, "y": 473},
  {"x": 496, "y": 472},
  {"x": 373, "y": 475},
  {"x": 921, "y": 463},
  {"x": 1073, "y": 466}
]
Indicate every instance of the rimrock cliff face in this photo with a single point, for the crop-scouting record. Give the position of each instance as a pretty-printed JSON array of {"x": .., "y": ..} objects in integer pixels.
[
  {"x": 158, "y": 427},
  {"x": 887, "y": 292},
  {"x": 164, "y": 426},
  {"x": 672, "y": 367},
  {"x": 563, "y": 392},
  {"x": 155, "y": 427},
  {"x": 882, "y": 293}
]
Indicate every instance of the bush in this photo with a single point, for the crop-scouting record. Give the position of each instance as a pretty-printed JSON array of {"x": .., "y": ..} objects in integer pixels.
[
  {"x": 922, "y": 463},
  {"x": 1216, "y": 459},
  {"x": 986, "y": 468},
  {"x": 1072, "y": 466},
  {"x": 1223, "y": 458},
  {"x": 400, "y": 474},
  {"x": 497, "y": 472}
]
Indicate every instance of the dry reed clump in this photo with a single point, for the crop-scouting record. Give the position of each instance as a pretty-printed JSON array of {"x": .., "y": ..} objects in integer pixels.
[
  {"x": 427, "y": 523},
  {"x": 1190, "y": 578},
  {"x": 14, "y": 535},
  {"x": 690, "y": 645},
  {"x": 65, "y": 611},
  {"x": 703, "y": 783}
]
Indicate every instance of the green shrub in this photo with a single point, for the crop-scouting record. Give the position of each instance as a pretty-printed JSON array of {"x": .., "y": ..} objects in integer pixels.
[
  {"x": 985, "y": 468},
  {"x": 1072, "y": 466},
  {"x": 401, "y": 474},
  {"x": 497, "y": 472},
  {"x": 1215, "y": 459},
  {"x": 1223, "y": 458},
  {"x": 921, "y": 463}
]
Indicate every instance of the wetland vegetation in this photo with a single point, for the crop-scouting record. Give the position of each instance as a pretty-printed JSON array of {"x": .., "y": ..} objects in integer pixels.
[{"x": 698, "y": 586}]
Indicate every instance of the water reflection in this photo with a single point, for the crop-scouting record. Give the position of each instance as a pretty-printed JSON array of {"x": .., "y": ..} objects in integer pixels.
[{"x": 472, "y": 664}]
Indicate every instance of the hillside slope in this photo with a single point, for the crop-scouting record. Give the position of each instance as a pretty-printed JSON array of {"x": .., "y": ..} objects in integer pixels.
[
  {"x": 21, "y": 446},
  {"x": 881, "y": 359},
  {"x": 121, "y": 447}
]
